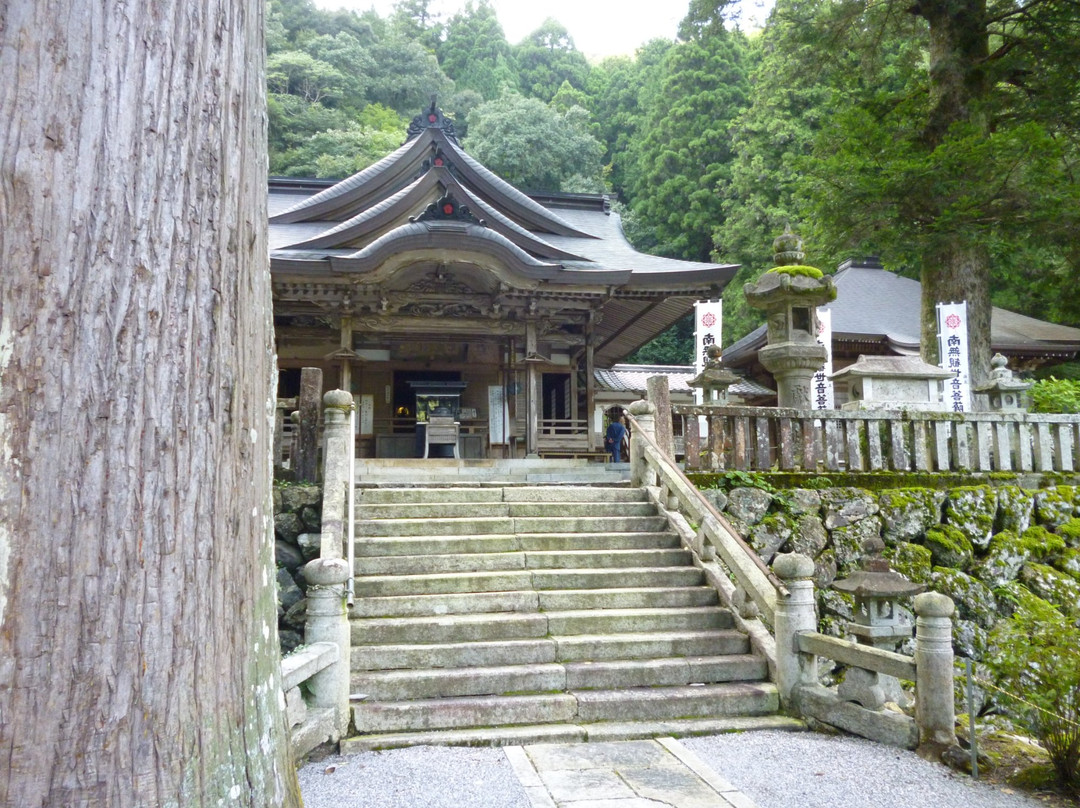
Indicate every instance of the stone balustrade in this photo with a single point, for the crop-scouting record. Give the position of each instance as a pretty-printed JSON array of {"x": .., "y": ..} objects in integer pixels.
[{"x": 783, "y": 439}]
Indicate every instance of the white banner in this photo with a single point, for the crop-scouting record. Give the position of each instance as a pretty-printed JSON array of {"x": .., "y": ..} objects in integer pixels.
[
  {"x": 708, "y": 320},
  {"x": 821, "y": 392},
  {"x": 953, "y": 348}
]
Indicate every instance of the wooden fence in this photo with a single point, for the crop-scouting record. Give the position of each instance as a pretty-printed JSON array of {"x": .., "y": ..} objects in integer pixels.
[{"x": 768, "y": 438}]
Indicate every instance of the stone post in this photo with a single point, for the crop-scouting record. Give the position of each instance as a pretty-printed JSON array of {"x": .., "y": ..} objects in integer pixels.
[
  {"x": 794, "y": 614},
  {"x": 328, "y": 621},
  {"x": 659, "y": 396},
  {"x": 643, "y": 413},
  {"x": 337, "y": 455},
  {"x": 307, "y": 444},
  {"x": 935, "y": 712}
]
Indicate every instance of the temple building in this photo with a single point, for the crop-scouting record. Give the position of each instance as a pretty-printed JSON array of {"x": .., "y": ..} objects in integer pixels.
[
  {"x": 877, "y": 313},
  {"x": 429, "y": 287}
]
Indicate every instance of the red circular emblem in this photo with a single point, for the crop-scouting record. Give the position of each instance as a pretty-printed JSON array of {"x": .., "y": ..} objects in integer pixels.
[
  {"x": 432, "y": 118},
  {"x": 448, "y": 209},
  {"x": 438, "y": 161},
  {"x": 708, "y": 319},
  {"x": 953, "y": 321}
]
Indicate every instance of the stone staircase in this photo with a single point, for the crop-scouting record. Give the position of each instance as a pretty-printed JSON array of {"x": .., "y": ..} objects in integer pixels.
[{"x": 523, "y": 613}]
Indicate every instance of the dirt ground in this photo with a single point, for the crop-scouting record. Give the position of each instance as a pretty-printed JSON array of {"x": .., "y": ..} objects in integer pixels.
[{"x": 1015, "y": 763}]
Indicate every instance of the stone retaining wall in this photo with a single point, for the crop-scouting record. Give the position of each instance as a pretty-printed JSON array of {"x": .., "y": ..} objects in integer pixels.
[
  {"x": 990, "y": 548},
  {"x": 297, "y": 521}
]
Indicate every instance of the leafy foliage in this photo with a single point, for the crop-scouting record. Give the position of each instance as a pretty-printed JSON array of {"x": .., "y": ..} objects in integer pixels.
[
  {"x": 530, "y": 145},
  {"x": 546, "y": 58},
  {"x": 1056, "y": 395},
  {"x": 1034, "y": 659}
]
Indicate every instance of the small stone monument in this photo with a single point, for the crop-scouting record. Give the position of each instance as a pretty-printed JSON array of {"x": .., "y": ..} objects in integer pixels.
[
  {"x": 876, "y": 589},
  {"x": 715, "y": 379},
  {"x": 894, "y": 383},
  {"x": 1004, "y": 391},
  {"x": 789, "y": 294}
]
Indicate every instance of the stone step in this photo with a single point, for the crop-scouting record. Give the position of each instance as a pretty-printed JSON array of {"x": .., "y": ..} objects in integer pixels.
[
  {"x": 633, "y": 704},
  {"x": 694, "y": 701},
  {"x": 627, "y": 621},
  {"x": 627, "y": 577},
  {"x": 590, "y": 524},
  {"x": 464, "y": 510},
  {"x": 672, "y": 671},
  {"x": 607, "y": 559},
  {"x": 627, "y": 598},
  {"x": 441, "y": 583},
  {"x": 598, "y": 541},
  {"x": 511, "y": 580},
  {"x": 507, "y": 524},
  {"x": 464, "y": 711},
  {"x": 505, "y": 542},
  {"x": 529, "y": 601},
  {"x": 451, "y": 655},
  {"x": 448, "y": 628},
  {"x": 366, "y": 546},
  {"x": 579, "y": 493},
  {"x": 570, "y": 733},
  {"x": 441, "y": 527},
  {"x": 463, "y": 603},
  {"x": 486, "y": 626},
  {"x": 489, "y": 494},
  {"x": 390, "y": 496},
  {"x": 490, "y": 562},
  {"x": 402, "y": 685},
  {"x": 650, "y": 645}
]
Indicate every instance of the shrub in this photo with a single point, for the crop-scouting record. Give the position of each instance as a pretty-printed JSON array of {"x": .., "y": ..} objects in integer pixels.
[
  {"x": 1034, "y": 659},
  {"x": 1056, "y": 395}
]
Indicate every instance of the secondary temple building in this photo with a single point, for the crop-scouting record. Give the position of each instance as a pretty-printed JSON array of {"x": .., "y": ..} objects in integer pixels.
[{"x": 429, "y": 287}]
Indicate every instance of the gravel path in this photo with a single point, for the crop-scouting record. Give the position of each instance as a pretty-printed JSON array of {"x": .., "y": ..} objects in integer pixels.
[
  {"x": 774, "y": 769},
  {"x": 419, "y": 777},
  {"x": 810, "y": 770}
]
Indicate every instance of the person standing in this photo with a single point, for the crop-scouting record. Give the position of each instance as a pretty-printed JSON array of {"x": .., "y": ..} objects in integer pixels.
[{"x": 613, "y": 439}]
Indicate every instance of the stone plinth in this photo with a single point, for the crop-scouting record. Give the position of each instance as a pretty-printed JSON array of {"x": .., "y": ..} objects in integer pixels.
[{"x": 894, "y": 383}]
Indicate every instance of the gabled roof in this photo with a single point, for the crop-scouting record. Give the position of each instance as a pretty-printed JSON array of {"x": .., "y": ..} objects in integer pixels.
[
  {"x": 430, "y": 203},
  {"x": 626, "y": 378},
  {"x": 876, "y": 307}
]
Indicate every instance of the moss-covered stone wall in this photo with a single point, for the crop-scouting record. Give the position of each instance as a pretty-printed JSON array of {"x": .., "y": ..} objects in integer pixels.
[{"x": 991, "y": 547}]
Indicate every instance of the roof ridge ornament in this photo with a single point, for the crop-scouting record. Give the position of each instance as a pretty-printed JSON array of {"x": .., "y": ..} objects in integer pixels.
[
  {"x": 432, "y": 118},
  {"x": 447, "y": 208}
]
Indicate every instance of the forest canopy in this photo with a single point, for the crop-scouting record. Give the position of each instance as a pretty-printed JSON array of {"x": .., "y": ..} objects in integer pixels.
[{"x": 940, "y": 136}]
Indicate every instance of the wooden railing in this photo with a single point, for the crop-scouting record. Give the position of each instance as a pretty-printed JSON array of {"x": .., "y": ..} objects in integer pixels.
[
  {"x": 765, "y": 438},
  {"x": 563, "y": 433}
]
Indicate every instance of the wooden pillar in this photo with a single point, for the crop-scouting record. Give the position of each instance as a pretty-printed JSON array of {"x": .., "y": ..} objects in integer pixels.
[
  {"x": 532, "y": 391},
  {"x": 590, "y": 381},
  {"x": 346, "y": 362},
  {"x": 307, "y": 451}
]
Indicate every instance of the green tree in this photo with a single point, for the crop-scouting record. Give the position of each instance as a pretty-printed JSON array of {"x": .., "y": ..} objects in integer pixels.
[
  {"x": 673, "y": 347},
  {"x": 546, "y": 58},
  {"x": 618, "y": 89},
  {"x": 414, "y": 20},
  {"x": 406, "y": 75},
  {"x": 532, "y": 146},
  {"x": 684, "y": 157},
  {"x": 475, "y": 53},
  {"x": 956, "y": 151}
]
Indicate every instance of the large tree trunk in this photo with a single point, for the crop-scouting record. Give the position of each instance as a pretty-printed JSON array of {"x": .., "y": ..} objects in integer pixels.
[
  {"x": 138, "y": 657},
  {"x": 952, "y": 270}
]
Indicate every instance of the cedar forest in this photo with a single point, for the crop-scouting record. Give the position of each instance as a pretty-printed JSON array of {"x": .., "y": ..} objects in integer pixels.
[{"x": 942, "y": 137}]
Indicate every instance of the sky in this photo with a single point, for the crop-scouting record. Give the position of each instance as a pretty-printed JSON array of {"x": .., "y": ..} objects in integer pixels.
[{"x": 599, "y": 28}]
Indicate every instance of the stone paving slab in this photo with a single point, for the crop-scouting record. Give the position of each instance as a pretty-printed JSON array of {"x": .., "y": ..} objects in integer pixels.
[{"x": 659, "y": 773}]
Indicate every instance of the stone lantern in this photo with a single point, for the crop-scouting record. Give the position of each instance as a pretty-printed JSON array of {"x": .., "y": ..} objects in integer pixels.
[
  {"x": 789, "y": 294},
  {"x": 715, "y": 379},
  {"x": 876, "y": 589},
  {"x": 1005, "y": 392}
]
